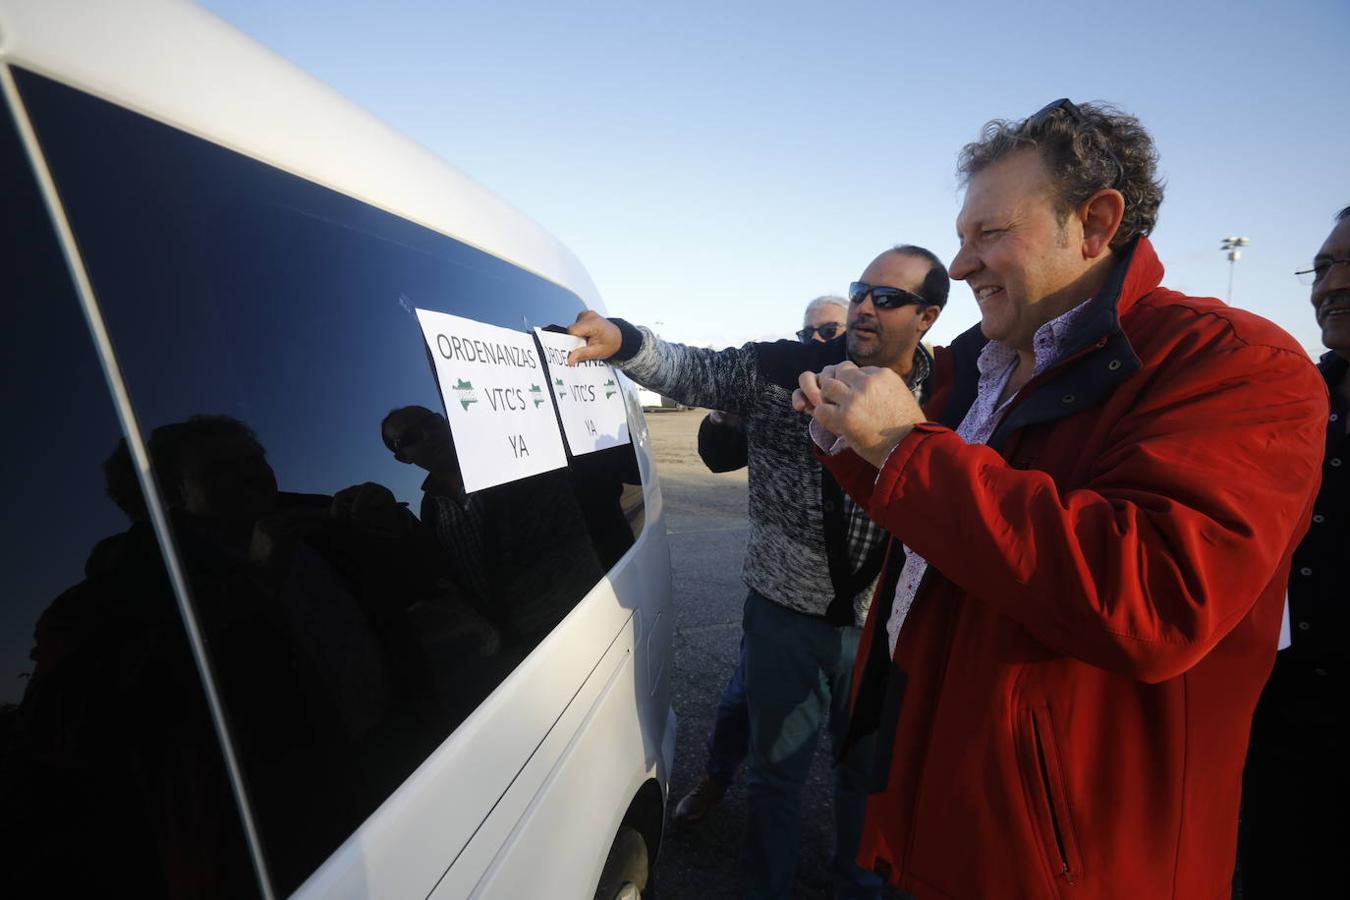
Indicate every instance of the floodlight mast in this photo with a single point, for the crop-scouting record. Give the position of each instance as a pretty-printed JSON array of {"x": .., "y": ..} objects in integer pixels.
[{"x": 1234, "y": 247}]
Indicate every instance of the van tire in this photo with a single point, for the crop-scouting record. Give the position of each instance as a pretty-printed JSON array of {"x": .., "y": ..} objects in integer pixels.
[{"x": 627, "y": 869}]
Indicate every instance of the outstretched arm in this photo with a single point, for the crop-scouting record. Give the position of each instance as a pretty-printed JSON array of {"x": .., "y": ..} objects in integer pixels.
[{"x": 717, "y": 379}]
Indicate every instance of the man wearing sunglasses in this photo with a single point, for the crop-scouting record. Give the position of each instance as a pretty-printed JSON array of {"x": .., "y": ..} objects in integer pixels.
[
  {"x": 812, "y": 554},
  {"x": 825, "y": 318},
  {"x": 1293, "y": 817},
  {"x": 1098, "y": 509}
]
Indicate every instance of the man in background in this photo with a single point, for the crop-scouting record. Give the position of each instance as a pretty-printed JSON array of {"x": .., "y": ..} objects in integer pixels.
[{"x": 1294, "y": 788}]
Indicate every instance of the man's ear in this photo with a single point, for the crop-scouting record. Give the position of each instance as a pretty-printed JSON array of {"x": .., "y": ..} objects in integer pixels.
[
  {"x": 926, "y": 317},
  {"x": 1101, "y": 215}
]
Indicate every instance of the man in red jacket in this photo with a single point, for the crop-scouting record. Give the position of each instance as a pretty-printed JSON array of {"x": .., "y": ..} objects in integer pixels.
[{"x": 1094, "y": 521}]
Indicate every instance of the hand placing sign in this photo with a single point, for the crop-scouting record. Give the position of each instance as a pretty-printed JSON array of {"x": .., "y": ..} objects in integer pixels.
[
  {"x": 589, "y": 399},
  {"x": 871, "y": 408},
  {"x": 602, "y": 337}
]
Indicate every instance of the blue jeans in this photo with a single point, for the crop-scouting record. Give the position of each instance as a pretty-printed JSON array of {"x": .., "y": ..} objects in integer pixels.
[
  {"x": 797, "y": 674},
  {"x": 730, "y": 738}
]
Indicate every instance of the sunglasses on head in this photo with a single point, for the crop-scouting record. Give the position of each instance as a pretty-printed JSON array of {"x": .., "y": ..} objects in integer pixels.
[
  {"x": 884, "y": 297},
  {"x": 826, "y": 331},
  {"x": 1038, "y": 119}
]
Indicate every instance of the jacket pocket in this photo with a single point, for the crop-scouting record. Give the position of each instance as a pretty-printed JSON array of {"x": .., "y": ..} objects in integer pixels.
[{"x": 1046, "y": 794}]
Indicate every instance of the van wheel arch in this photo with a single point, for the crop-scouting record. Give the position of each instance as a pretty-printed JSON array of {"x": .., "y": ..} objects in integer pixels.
[{"x": 636, "y": 847}]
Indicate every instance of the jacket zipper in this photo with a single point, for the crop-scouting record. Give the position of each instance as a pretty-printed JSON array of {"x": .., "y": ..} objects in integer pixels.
[{"x": 1044, "y": 768}]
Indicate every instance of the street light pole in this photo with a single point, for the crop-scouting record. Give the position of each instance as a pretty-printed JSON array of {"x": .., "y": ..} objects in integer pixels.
[{"x": 1234, "y": 247}]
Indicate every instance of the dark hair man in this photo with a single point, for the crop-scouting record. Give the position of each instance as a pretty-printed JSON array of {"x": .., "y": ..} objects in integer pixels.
[
  {"x": 1293, "y": 818},
  {"x": 812, "y": 555},
  {"x": 1099, "y": 508}
]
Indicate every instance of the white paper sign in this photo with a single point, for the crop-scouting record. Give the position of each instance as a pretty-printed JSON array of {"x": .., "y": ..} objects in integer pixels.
[
  {"x": 589, "y": 397},
  {"x": 500, "y": 411}
]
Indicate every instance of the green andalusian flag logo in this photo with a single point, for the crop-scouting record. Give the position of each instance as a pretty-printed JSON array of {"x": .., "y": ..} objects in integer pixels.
[
  {"x": 537, "y": 395},
  {"x": 610, "y": 390},
  {"x": 558, "y": 388},
  {"x": 464, "y": 392}
]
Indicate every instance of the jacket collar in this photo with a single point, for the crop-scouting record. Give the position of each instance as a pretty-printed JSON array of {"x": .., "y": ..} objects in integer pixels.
[{"x": 1137, "y": 272}]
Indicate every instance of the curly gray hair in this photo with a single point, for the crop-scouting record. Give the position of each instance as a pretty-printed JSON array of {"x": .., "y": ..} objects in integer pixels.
[{"x": 1087, "y": 149}]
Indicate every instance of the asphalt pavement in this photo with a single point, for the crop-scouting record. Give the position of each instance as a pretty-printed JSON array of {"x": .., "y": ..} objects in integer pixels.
[{"x": 706, "y": 521}]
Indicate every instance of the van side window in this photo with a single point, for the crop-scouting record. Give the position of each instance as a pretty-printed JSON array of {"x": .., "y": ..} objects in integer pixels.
[
  {"x": 357, "y": 602},
  {"x": 110, "y": 766}
]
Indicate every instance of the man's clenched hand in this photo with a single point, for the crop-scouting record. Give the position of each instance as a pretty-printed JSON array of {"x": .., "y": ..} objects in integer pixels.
[
  {"x": 603, "y": 338},
  {"x": 872, "y": 408}
]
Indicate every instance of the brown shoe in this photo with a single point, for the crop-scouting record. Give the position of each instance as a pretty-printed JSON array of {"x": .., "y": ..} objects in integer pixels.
[{"x": 696, "y": 804}]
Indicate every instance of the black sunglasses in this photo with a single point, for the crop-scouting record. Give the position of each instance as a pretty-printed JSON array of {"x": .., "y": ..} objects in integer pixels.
[
  {"x": 884, "y": 297},
  {"x": 827, "y": 331},
  {"x": 1038, "y": 120}
]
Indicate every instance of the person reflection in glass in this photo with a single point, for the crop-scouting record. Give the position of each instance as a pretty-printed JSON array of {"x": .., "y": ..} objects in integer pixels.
[
  {"x": 417, "y": 436},
  {"x": 114, "y": 751},
  {"x": 312, "y": 606},
  {"x": 520, "y": 549}
]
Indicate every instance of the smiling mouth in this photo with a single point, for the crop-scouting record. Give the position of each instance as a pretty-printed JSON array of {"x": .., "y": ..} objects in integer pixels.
[
  {"x": 984, "y": 293},
  {"x": 1333, "y": 308}
]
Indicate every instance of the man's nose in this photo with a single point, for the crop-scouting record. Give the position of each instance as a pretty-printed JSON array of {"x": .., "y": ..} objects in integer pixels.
[
  {"x": 964, "y": 264},
  {"x": 1336, "y": 281}
]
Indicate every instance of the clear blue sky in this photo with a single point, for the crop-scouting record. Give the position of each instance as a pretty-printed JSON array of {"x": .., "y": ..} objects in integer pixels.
[{"x": 717, "y": 164}]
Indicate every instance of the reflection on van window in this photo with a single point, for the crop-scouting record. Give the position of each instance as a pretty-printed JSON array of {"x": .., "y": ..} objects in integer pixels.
[
  {"x": 111, "y": 772},
  {"x": 358, "y": 604}
]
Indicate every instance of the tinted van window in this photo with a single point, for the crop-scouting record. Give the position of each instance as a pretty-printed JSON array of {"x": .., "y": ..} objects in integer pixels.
[
  {"x": 266, "y": 329},
  {"x": 110, "y": 768}
]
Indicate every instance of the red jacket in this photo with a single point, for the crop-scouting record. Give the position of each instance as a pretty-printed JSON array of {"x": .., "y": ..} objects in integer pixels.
[{"x": 1067, "y": 711}]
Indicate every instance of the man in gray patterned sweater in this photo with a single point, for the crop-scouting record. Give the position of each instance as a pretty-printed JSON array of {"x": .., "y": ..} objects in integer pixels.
[{"x": 813, "y": 555}]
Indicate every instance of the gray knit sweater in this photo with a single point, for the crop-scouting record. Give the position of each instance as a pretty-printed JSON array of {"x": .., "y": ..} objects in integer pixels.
[{"x": 811, "y": 549}]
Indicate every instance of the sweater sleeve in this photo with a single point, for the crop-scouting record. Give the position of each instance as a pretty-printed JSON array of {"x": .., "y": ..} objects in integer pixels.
[
  {"x": 1182, "y": 524},
  {"x": 727, "y": 379}
]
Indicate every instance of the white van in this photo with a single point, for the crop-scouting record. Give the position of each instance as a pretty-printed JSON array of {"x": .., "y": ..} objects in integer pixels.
[{"x": 256, "y": 637}]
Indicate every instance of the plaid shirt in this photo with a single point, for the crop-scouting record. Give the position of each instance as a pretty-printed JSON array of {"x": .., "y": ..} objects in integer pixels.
[
  {"x": 460, "y": 531},
  {"x": 863, "y": 533}
]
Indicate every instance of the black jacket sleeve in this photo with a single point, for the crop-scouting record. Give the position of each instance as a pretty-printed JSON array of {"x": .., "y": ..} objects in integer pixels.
[{"x": 721, "y": 444}]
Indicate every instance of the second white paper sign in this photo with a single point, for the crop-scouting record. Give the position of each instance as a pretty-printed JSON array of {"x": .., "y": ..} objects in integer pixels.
[{"x": 590, "y": 400}]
